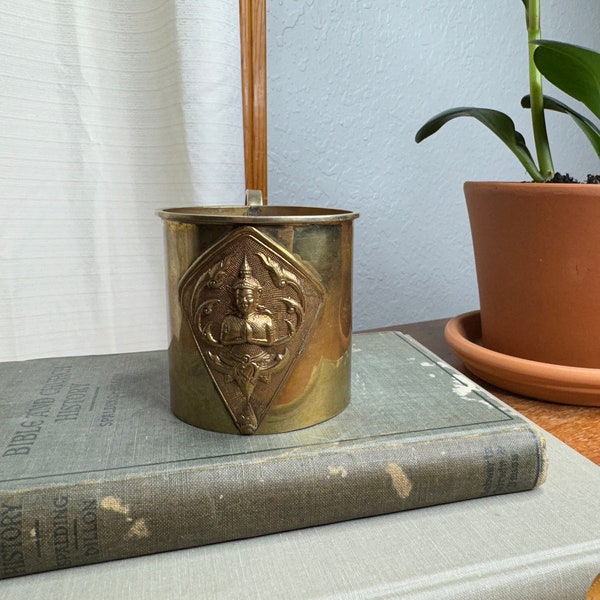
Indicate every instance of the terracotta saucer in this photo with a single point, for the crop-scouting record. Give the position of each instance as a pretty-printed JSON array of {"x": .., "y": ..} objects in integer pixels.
[{"x": 544, "y": 381}]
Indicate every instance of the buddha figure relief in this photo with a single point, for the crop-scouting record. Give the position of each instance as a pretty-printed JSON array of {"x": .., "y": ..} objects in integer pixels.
[
  {"x": 250, "y": 323},
  {"x": 249, "y": 304}
]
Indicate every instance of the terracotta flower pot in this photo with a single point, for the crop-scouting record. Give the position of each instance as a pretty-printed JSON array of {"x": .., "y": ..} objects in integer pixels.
[{"x": 537, "y": 255}]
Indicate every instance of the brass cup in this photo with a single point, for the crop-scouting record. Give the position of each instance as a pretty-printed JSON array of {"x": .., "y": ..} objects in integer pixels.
[{"x": 260, "y": 315}]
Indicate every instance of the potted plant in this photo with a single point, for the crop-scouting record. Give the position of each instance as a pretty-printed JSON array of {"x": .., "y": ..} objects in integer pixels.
[{"x": 537, "y": 243}]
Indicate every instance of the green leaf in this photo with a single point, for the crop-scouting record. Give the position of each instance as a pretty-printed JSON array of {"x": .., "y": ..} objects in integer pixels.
[
  {"x": 501, "y": 124},
  {"x": 573, "y": 69},
  {"x": 588, "y": 127}
]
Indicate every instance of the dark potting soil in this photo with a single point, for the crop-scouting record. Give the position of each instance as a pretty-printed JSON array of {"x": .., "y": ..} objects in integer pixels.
[{"x": 566, "y": 178}]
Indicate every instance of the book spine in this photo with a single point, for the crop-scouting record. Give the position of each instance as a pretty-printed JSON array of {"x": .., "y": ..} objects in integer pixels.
[{"x": 56, "y": 526}]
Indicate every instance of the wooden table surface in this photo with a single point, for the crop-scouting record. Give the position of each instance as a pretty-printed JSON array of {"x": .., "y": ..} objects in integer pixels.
[{"x": 577, "y": 426}]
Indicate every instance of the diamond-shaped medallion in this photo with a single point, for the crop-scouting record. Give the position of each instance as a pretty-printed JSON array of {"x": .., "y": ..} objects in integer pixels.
[{"x": 251, "y": 306}]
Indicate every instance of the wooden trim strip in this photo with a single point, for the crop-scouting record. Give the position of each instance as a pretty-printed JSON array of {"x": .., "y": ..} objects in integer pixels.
[{"x": 254, "y": 92}]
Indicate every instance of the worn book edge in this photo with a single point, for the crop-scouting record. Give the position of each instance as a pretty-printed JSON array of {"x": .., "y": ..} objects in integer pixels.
[{"x": 471, "y": 384}]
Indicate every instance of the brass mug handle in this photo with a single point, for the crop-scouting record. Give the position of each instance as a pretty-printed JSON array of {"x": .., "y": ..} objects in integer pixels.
[{"x": 254, "y": 198}]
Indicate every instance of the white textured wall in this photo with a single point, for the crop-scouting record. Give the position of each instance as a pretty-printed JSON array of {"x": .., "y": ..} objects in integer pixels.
[{"x": 350, "y": 82}]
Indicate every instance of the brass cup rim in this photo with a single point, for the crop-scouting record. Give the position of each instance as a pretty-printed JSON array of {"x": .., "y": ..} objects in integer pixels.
[{"x": 255, "y": 214}]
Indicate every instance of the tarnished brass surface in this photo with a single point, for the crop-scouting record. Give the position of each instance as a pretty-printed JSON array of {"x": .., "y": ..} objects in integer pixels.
[{"x": 260, "y": 316}]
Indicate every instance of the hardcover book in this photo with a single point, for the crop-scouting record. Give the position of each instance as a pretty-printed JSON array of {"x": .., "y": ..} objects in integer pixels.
[{"x": 94, "y": 466}]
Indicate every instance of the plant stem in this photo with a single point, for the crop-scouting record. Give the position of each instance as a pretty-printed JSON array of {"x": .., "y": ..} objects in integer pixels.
[{"x": 538, "y": 119}]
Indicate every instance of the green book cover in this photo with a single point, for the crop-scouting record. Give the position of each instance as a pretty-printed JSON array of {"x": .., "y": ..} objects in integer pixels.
[{"x": 94, "y": 466}]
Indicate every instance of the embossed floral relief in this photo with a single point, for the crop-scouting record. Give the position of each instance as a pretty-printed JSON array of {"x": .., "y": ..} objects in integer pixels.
[{"x": 251, "y": 306}]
